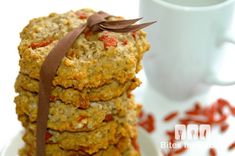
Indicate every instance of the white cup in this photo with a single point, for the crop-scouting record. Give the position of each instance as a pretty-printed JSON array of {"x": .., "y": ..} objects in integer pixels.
[{"x": 185, "y": 44}]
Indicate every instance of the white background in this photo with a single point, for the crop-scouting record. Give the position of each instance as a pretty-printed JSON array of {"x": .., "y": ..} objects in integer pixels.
[{"x": 15, "y": 14}]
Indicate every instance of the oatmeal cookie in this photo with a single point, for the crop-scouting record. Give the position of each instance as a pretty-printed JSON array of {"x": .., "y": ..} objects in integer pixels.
[
  {"x": 92, "y": 61},
  {"x": 64, "y": 117},
  {"x": 75, "y": 97},
  {"x": 124, "y": 147},
  {"x": 88, "y": 142}
]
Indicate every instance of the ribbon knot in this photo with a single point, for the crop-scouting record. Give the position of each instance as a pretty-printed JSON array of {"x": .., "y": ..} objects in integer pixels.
[{"x": 94, "y": 21}]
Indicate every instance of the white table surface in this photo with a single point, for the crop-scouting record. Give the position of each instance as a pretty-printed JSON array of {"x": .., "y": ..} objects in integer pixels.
[{"x": 15, "y": 14}]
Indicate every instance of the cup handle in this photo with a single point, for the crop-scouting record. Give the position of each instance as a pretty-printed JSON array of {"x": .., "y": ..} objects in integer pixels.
[{"x": 212, "y": 79}]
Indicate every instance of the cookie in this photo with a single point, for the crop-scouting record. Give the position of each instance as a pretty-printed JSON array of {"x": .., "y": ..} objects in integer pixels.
[
  {"x": 124, "y": 147},
  {"x": 75, "y": 97},
  {"x": 64, "y": 117},
  {"x": 91, "y": 62},
  {"x": 88, "y": 142}
]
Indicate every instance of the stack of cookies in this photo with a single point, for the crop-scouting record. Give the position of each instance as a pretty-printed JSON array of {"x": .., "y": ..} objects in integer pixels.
[{"x": 92, "y": 110}]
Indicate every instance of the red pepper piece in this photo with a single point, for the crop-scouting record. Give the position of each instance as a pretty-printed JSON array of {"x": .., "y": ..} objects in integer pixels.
[
  {"x": 171, "y": 116},
  {"x": 222, "y": 119},
  {"x": 192, "y": 112},
  {"x": 212, "y": 152},
  {"x": 170, "y": 134},
  {"x": 181, "y": 150},
  {"x": 135, "y": 144},
  {"x": 232, "y": 109},
  {"x": 48, "y": 135},
  {"x": 134, "y": 34},
  {"x": 35, "y": 45},
  {"x": 104, "y": 36},
  {"x": 148, "y": 124},
  {"x": 224, "y": 127},
  {"x": 184, "y": 121},
  {"x": 150, "y": 118},
  {"x": 146, "y": 121},
  {"x": 110, "y": 42},
  {"x": 88, "y": 34},
  {"x": 211, "y": 112},
  {"x": 141, "y": 114},
  {"x": 80, "y": 118},
  {"x": 195, "y": 111},
  {"x": 108, "y": 117},
  {"x": 172, "y": 141},
  {"x": 220, "y": 111},
  {"x": 151, "y": 122},
  {"x": 124, "y": 42},
  {"x": 143, "y": 124},
  {"x": 81, "y": 15},
  {"x": 52, "y": 98},
  {"x": 223, "y": 103},
  {"x": 231, "y": 146},
  {"x": 148, "y": 127},
  {"x": 199, "y": 121},
  {"x": 206, "y": 112},
  {"x": 197, "y": 106}
]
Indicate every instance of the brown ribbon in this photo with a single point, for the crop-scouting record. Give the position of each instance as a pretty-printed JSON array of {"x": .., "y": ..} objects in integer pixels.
[{"x": 96, "y": 22}]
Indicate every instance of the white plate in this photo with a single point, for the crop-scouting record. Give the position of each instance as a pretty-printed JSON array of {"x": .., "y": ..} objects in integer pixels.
[{"x": 147, "y": 146}]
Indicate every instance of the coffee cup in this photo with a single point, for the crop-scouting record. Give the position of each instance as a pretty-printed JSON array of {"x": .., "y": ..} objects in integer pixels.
[{"x": 186, "y": 44}]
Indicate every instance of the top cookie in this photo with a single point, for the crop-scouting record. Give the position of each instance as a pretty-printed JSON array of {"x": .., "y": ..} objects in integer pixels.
[{"x": 94, "y": 59}]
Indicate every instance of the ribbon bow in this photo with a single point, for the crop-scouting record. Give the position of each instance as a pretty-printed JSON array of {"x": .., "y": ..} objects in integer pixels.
[{"x": 96, "y": 22}]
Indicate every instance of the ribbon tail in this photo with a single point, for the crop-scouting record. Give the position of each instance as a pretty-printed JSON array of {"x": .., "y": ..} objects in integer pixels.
[
  {"x": 118, "y": 24},
  {"x": 131, "y": 28}
]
